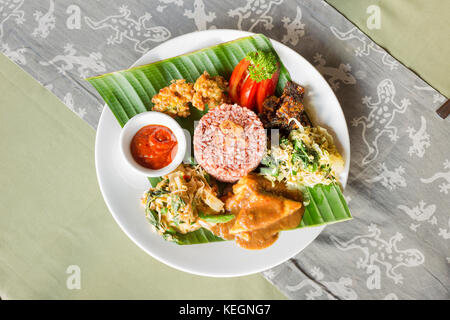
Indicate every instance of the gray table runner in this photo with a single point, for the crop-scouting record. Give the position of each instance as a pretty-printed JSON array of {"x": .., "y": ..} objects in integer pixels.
[{"x": 398, "y": 245}]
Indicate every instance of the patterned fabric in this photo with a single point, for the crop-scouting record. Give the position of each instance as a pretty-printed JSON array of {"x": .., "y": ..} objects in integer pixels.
[{"x": 398, "y": 245}]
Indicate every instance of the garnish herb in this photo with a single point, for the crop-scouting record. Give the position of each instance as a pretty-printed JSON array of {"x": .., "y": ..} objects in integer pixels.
[{"x": 262, "y": 65}]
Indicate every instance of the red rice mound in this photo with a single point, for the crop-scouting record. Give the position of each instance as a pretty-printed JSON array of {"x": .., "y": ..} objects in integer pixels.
[{"x": 229, "y": 142}]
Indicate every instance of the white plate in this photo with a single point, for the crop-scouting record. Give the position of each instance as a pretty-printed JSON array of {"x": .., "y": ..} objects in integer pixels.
[{"x": 122, "y": 188}]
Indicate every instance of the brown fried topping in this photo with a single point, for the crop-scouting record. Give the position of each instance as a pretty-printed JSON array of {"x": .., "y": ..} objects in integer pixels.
[
  {"x": 174, "y": 100},
  {"x": 277, "y": 112}
]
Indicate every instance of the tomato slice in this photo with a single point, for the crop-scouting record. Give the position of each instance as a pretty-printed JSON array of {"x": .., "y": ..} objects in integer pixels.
[
  {"x": 266, "y": 89},
  {"x": 248, "y": 93},
  {"x": 237, "y": 78},
  {"x": 263, "y": 92}
]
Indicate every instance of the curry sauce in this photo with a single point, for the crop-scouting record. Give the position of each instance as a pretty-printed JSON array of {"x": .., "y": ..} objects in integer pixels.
[{"x": 262, "y": 210}]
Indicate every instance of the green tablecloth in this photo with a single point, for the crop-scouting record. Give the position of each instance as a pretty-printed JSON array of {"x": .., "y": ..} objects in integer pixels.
[
  {"x": 416, "y": 32},
  {"x": 52, "y": 214}
]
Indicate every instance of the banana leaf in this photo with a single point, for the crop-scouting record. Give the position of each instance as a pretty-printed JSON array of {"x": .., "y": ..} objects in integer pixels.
[
  {"x": 129, "y": 92},
  {"x": 326, "y": 206}
]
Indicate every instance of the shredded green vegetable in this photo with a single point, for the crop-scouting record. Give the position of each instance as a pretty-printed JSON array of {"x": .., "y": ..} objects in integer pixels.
[{"x": 216, "y": 218}]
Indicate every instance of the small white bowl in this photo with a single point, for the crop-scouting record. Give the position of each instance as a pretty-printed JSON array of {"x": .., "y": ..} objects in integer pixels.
[{"x": 144, "y": 119}]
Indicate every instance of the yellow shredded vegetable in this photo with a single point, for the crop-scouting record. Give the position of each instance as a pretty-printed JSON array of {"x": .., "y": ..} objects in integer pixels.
[{"x": 174, "y": 204}]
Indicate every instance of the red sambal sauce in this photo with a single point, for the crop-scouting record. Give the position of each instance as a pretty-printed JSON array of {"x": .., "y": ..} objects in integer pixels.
[{"x": 154, "y": 146}]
